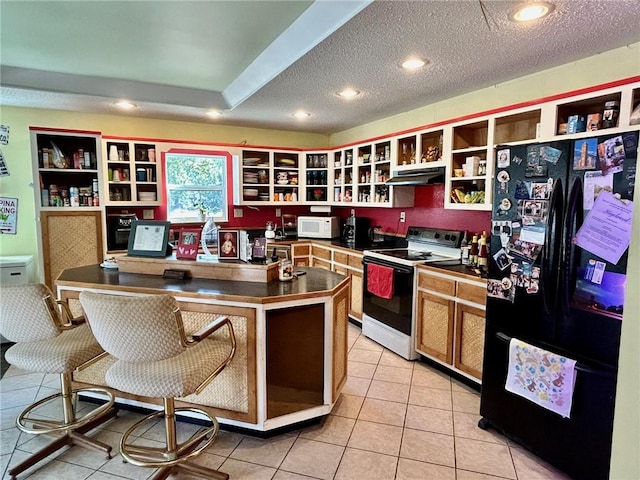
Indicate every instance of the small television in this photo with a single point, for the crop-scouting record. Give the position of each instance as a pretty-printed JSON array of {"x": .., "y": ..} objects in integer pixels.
[{"x": 149, "y": 238}]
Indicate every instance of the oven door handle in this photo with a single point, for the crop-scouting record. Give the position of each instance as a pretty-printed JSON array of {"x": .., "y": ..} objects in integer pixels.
[{"x": 384, "y": 263}]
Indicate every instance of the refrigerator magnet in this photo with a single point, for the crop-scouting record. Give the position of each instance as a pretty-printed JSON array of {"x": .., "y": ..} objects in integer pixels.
[
  {"x": 505, "y": 204},
  {"x": 504, "y": 158}
]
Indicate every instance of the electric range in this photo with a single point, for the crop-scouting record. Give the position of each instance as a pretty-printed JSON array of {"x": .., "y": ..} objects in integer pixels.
[{"x": 390, "y": 319}]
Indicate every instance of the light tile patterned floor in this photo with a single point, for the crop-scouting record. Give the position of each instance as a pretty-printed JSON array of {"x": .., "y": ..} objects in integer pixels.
[{"x": 395, "y": 420}]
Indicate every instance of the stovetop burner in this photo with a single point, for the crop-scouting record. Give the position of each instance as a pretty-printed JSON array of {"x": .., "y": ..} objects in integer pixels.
[
  {"x": 426, "y": 245},
  {"x": 406, "y": 254}
]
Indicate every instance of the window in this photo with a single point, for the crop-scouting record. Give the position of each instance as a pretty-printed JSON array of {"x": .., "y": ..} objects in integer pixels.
[{"x": 196, "y": 185}]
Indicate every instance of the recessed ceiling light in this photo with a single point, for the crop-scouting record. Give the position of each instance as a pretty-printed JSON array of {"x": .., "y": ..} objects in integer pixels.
[
  {"x": 413, "y": 63},
  {"x": 214, "y": 113},
  {"x": 531, "y": 11},
  {"x": 125, "y": 105},
  {"x": 348, "y": 93},
  {"x": 301, "y": 114}
]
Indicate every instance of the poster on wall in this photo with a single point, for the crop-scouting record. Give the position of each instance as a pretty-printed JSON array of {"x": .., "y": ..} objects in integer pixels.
[
  {"x": 8, "y": 215},
  {"x": 4, "y": 135},
  {"x": 4, "y": 171}
]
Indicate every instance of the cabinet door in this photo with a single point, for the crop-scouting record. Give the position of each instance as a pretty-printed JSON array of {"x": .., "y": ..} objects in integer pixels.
[
  {"x": 300, "y": 254},
  {"x": 317, "y": 262},
  {"x": 435, "y": 326},
  {"x": 70, "y": 239},
  {"x": 355, "y": 307},
  {"x": 469, "y": 346},
  {"x": 340, "y": 342}
]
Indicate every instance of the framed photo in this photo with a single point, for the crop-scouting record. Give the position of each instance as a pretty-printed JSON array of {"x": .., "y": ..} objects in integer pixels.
[
  {"x": 188, "y": 244},
  {"x": 149, "y": 238},
  {"x": 228, "y": 244}
]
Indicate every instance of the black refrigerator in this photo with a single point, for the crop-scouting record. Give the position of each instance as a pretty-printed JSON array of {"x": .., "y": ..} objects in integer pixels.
[{"x": 561, "y": 225}]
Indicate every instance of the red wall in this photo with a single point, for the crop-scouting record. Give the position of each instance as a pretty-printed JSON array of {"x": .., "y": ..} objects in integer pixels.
[{"x": 428, "y": 211}]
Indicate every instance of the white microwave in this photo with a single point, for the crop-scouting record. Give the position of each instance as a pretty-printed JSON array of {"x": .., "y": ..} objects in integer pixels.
[{"x": 318, "y": 227}]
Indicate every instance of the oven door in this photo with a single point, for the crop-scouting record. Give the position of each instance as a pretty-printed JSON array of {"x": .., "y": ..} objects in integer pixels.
[{"x": 395, "y": 312}]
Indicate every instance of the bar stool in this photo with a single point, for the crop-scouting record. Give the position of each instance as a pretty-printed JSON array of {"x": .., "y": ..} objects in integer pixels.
[
  {"x": 49, "y": 340},
  {"x": 156, "y": 359}
]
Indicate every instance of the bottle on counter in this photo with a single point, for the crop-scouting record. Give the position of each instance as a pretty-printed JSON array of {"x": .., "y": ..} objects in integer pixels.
[
  {"x": 473, "y": 251},
  {"x": 483, "y": 254},
  {"x": 464, "y": 249}
]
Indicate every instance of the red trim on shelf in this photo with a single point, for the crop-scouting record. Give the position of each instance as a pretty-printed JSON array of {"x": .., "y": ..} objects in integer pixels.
[
  {"x": 493, "y": 111},
  {"x": 63, "y": 130}
]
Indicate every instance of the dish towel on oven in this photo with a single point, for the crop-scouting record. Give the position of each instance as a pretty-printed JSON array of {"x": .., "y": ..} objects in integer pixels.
[
  {"x": 545, "y": 378},
  {"x": 380, "y": 280}
]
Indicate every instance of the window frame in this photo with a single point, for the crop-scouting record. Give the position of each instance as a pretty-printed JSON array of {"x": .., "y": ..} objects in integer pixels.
[{"x": 224, "y": 187}]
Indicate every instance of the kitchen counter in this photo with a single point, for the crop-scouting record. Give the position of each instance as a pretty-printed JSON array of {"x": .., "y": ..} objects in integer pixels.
[{"x": 291, "y": 358}]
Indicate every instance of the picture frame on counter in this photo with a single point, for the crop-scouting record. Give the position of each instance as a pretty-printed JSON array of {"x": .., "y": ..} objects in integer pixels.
[
  {"x": 228, "y": 244},
  {"x": 149, "y": 238},
  {"x": 188, "y": 244}
]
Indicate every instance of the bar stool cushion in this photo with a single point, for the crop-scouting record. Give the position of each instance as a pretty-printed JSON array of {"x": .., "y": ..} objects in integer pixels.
[
  {"x": 20, "y": 324},
  {"x": 60, "y": 354},
  {"x": 178, "y": 376},
  {"x": 149, "y": 333}
]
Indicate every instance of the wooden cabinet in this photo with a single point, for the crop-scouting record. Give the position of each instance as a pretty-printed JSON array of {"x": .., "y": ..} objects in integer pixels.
[
  {"x": 132, "y": 173},
  {"x": 345, "y": 262},
  {"x": 300, "y": 253},
  {"x": 450, "y": 319},
  {"x": 67, "y": 198},
  {"x": 69, "y": 239}
]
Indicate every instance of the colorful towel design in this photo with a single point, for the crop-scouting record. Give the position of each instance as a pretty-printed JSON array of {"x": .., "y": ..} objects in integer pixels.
[{"x": 540, "y": 376}]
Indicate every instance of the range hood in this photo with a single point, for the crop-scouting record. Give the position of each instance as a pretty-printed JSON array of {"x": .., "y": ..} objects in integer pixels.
[{"x": 427, "y": 176}]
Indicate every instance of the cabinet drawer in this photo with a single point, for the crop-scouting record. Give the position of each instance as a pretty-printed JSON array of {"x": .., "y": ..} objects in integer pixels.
[
  {"x": 300, "y": 250},
  {"x": 341, "y": 257},
  {"x": 321, "y": 252},
  {"x": 316, "y": 262},
  {"x": 437, "y": 284},
  {"x": 355, "y": 261},
  {"x": 341, "y": 270},
  {"x": 472, "y": 293}
]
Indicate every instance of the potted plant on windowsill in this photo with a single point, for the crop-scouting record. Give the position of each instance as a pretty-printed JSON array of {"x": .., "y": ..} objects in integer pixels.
[{"x": 202, "y": 209}]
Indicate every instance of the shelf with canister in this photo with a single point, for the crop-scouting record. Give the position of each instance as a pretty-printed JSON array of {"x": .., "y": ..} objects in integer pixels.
[
  {"x": 343, "y": 176},
  {"x": 286, "y": 177},
  {"x": 67, "y": 170},
  {"x": 589, "y": 114},
  {"x": 255, "y": 168},
  {"x": 317, "y": 177}
]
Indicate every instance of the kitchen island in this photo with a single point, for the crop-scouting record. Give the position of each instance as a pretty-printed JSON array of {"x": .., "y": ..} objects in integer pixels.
[{"x": 291, "y": 358}]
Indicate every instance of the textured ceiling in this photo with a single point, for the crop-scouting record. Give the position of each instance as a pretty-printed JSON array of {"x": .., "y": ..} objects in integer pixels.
[{"x": 260, "y": 61}]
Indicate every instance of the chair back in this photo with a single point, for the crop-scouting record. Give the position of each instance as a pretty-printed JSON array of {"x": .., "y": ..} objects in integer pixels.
[
  {"x": 135, "y": 329},
  {"x": 28, "y": 313}
]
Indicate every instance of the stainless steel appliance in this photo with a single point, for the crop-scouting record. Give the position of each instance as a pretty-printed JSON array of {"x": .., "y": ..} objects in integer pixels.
[
  {"x": 391, "y": 321},
  {"x": 318, "y": 227},
  {"x": 356, "y": 230},
  {"x": 560, "y": 294},
  {"x": 118, "y": 229}
]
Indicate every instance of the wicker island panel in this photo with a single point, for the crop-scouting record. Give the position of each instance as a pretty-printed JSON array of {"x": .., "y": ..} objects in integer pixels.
[
  {"x": 356, "y": 286},
  {"x": 340, "y": 340},
  {"x": 472, "y": 341},
  {"x": 435, "y": 330},
  {"x": 229, "y": 390}
]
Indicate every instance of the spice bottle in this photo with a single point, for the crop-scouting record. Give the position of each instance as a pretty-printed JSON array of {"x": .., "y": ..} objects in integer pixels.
[
  {"x": 483, "y": 254},
  {"x": 464, "y": 249},
  {"x": 473, "y": 252}
]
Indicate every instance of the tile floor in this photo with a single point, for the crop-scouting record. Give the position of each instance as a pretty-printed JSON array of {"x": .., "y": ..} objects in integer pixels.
[{"x": 394, "y": 420}]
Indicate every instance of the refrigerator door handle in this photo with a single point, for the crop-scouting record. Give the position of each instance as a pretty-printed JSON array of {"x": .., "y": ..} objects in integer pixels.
[
  {"x": 551, "y": 249},
  {"x": 602, "y": 371},
  {"x": 570, "y": 254}
]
